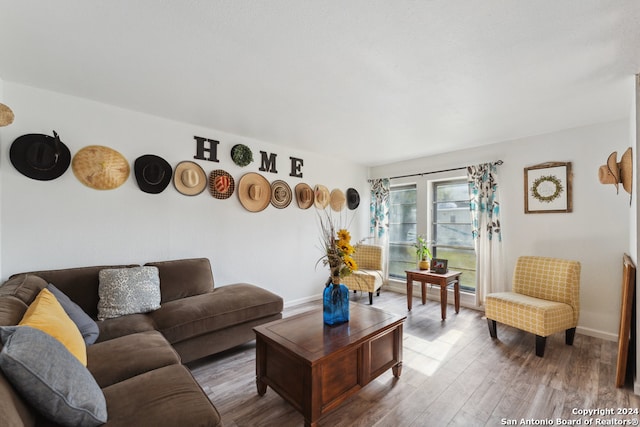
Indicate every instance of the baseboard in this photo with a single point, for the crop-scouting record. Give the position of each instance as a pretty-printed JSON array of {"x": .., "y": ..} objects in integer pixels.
[
  {"x": 292, "y": 303},
  {"x": 596, "y": 333}
]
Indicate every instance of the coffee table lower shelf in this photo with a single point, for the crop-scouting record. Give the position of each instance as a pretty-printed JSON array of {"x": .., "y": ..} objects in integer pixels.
[{"x": 316, "y": 367}]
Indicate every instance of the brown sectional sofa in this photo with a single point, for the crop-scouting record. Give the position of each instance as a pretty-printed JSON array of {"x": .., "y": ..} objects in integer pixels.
[{"x": 136, "y": 360}]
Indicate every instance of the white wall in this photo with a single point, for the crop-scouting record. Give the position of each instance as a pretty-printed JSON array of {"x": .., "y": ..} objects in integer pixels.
[
  {"x": 596, "y": 233},
  {"x": 61, "y": 223}
]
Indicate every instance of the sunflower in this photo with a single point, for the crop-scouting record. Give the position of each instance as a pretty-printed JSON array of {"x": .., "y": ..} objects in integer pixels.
[
  {"x": 337, "y": 249},
  {"x": 344, "y": 235},
  {"x": 350, "y": 263},
  {"x": 345, "y": 247}
]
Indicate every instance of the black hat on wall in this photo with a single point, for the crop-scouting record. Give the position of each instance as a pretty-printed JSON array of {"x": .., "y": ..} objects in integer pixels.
[
  {"x": 153, "y": 173},
  {"x": 40, "y": 156},
  {"x": 353, "y": 198}
]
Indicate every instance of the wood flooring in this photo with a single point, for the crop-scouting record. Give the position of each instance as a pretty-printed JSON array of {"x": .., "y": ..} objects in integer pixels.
[{"x": 453, "y": 374}]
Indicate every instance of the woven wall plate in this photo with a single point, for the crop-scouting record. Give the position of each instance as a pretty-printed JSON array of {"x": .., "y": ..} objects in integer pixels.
[{"x": 281, "y": 194}]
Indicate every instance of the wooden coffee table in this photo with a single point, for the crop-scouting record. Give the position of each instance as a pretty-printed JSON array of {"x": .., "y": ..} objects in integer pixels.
[{"x": 316, "y": 367}]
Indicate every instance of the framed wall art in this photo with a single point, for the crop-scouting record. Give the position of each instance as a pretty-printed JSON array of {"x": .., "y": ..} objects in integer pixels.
[{"x": 547, "y": 188}]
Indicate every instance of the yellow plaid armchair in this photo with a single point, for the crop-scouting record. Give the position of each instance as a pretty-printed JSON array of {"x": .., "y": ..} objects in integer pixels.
[
  {"x": 369, "y": 275},
  {"x": 545, "y": 299}
]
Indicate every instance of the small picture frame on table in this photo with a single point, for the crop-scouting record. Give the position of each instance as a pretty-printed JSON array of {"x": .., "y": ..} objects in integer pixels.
[{"x": 438, "y": 265}]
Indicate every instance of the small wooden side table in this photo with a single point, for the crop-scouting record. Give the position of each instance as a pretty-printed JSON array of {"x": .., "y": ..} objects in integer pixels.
[{"x": 442, "y": 280}]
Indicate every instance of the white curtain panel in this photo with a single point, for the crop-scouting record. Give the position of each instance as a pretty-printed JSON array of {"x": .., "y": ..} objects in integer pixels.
[
  {"x": 486, "y": 229},
  {"x": 379, "y": 217}
]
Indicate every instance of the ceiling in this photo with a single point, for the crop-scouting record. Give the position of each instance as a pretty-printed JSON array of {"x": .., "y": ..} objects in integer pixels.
[{"x": 370, "y": 80}]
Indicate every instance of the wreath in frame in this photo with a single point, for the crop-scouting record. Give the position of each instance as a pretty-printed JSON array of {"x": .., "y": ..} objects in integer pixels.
[
  {"x": 547, "y": 188},
  {"x": 537, "y": 188}
]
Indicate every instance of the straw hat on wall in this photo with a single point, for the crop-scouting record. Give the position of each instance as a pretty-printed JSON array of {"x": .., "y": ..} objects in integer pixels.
[
  {"x": 304, "y": 196},
  {"x": 616, "y": 173},
  {"x": 626, "y": 170},
  {"x": 321, "y": 197},
  {"x": 100, "y": 168},
  {"x": 189, "y": 178},
  {"x": 254, "y": 192},
  {"x": 6, "y": 115},
  {"x": 221, "y": 184},
  {"x": 337, "y": 200}
]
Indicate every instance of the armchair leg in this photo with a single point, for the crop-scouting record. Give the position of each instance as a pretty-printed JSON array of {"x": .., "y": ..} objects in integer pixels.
[
  {"x": 570, "y": 334},
  {"x": 492, "y": 328},
  {"x": 540, "y": 343},
  {"x": 370, "y": 298}
]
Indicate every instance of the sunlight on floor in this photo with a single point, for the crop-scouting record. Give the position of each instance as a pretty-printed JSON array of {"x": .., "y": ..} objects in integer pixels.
[{"x": 426, "y": 356}]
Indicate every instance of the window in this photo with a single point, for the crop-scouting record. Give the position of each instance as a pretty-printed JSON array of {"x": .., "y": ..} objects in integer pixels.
[
  {"x": 402, "y": 229},
  {"x": 440, "y": 210},
  {"x": 451, "y": 229}
]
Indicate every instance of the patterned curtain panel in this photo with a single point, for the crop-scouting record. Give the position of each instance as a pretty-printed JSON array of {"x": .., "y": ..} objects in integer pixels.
[
  {"x": 379, "y": 217},
  {"x": 379, "y": 208},
  {"x": 486, "y": 229}
]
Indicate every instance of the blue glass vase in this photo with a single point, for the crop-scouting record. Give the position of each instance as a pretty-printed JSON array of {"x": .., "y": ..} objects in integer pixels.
[{"x": 335, "y": 303}]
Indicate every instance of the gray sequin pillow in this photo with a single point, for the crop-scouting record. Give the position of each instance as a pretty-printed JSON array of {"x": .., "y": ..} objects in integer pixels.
[{"x": 127, "y": 291}]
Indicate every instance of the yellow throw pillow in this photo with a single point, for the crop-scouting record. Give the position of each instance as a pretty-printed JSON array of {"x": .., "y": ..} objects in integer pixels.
[{"x": 47, "y": 315}]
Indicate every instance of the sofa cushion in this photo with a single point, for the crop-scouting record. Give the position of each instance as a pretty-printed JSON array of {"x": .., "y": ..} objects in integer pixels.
[
  {"x": 225, "y": 306},
  {"x": 125, "y": 357},
  {"x": 50, "y": 378},
  {"x": 79, "y": 284},
  {"x": 364, "y": 280},
  {"x": 167, "y": 396},
  {"x": 128, "y": 291},
  {"x": 184, "y": 278},
  {"x": 14, "y": 410},
  {"x": 124, "y": 325},
  {"x": 223, "y": 339},
  {"x": 47, "y": 315},
  {"x": 25, "y": 287},
  {"x": 86, "y": 325},
  {"x": 11, "y": 311},
  {"x": 535, "y": 315}
]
